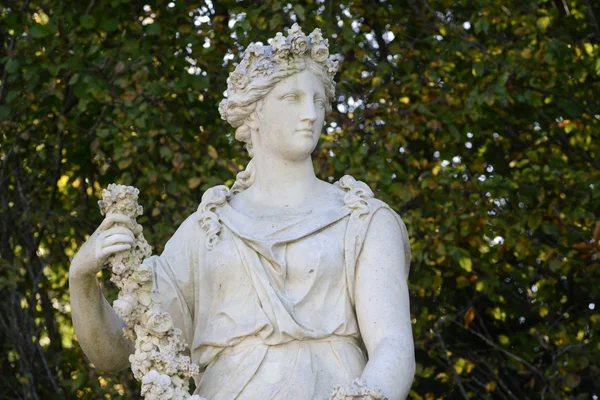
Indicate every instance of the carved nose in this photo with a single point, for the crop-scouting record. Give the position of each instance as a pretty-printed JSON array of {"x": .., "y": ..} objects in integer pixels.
[{"x": 310, "y": 113}]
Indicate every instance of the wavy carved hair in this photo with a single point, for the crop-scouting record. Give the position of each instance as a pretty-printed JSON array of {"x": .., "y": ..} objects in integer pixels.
[{"x": 246, "y": 109}]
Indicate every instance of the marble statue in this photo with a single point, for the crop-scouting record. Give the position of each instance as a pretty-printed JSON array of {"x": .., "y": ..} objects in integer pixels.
[{"x": 280, "y": 287}]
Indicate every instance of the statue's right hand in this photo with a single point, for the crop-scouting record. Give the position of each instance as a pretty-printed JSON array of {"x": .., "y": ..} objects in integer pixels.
[{"x": 107, "y": 240}]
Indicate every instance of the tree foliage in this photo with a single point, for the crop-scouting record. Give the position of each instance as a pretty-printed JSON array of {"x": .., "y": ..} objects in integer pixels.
[{"x": 477, "y": 121}]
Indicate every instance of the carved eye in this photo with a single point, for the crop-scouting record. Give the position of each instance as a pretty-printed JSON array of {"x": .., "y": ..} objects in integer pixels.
[
  {"x": 320, "y": 103},
  {"x": 290, "y": 96}
]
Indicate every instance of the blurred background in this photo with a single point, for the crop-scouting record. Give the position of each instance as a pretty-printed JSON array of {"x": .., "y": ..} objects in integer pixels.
[{"x": 477, "y": 121}]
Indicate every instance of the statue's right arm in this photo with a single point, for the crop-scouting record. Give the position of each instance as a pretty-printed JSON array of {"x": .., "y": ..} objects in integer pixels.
[{"x": 98, "y": 328}]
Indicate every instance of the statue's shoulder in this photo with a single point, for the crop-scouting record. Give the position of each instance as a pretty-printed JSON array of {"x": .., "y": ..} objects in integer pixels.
[
  {"x": 386, "y": 225},
  {"x": 359, "y": 197}
]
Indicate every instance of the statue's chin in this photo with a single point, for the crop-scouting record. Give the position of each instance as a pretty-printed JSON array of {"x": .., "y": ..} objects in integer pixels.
[{"x": 301, "y": 151}]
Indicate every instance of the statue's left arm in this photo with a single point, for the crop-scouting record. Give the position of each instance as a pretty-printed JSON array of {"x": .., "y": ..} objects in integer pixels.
[{"x": 382, "y": 306}]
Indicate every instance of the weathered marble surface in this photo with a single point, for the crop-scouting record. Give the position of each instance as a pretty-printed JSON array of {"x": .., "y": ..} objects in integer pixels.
[{"x": 284, "y": 286}]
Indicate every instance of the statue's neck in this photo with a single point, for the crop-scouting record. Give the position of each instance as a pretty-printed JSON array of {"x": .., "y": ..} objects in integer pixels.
[{"x": 283, "y": 183}]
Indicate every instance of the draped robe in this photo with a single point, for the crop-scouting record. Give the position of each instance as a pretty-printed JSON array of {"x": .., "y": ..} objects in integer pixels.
[{"x": 268, "y": 313}]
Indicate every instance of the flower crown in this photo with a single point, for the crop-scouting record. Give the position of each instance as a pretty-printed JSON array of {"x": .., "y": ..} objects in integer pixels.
[{"x": 281, "y": 58}]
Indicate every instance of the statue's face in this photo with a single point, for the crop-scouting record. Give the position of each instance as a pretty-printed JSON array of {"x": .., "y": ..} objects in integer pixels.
[{"x": 291, "y": 118}]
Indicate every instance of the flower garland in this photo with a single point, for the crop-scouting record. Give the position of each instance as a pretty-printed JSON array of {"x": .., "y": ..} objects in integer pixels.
[
  {"x": 158, "y": 361},
  {"x": 358, "y": 389}
]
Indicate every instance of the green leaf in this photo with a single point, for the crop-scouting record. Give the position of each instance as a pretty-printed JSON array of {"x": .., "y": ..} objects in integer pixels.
[
  {"x": 166, "y": 152},
  {"x": 87, "y": 21},
  {"x": 275, "y": 22},
  {"x": 12, "y": 66},
  {"x": 153, "y": 28},
  {"x": 39, "y": 31},
  {"x": 477, "y": 68},
  {"x": 299, "y": 10},
  {"x": 12, "y": 94},
  {"x": 4, "y": 112},
  {"x": 110, "y": 24},
  {"x": 74, "y": 79}
]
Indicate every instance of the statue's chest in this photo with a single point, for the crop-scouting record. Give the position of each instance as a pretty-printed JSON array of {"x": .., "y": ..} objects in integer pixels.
[{"x": 294, "y": 269}]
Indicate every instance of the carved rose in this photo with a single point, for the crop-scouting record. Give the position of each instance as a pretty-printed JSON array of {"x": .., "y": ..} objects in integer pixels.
[
  {"x": 125, "y": 304},
  {"x": 139, "y": 363},
  {"x": 156, "y": 386},
  {"x": 119, "y": 265},
  {"x": 159, "y": 321},
  {"x": 238, "y": 80},
  {"x": 315, "y": 36},
  {"x": 298, "y": 44},
  {"x": 142, "y": 274},
  {"x": 320, "y": 52}
]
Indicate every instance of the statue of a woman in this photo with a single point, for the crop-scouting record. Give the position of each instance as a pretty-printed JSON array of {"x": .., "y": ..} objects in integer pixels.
[{"x": 284, "y": 286}]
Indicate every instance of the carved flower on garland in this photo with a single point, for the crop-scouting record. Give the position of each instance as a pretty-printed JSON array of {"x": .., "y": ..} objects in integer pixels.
[
  {"x": 332, "y": 67},
  {"x": 125, "y": 304},
  {"x": 157, "y": 386},
  {"x": 315, "y": 36},
  {"x": 158, "y": 345},
  {"x": 238, "y": 80},
  {"x": 280, "y": 45},
  {"x": 320, "y": 52},
  {"x": 253, "y": 51},
  {"x": 142, "y": 274},
  {"x": 264, "y": 67},
  {"x": 358, "y": 389},
  {"x": 159, "y": 321},
  {"x": 298, "y": 42}
]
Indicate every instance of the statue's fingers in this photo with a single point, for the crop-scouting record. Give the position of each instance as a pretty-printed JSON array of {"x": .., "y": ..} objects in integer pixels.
[
  {"x": 112, "y": 219},
  {"x": 116, "y": 230},
  {"x": 118, "y": 238},
  {"x": 107, "y": 251}
]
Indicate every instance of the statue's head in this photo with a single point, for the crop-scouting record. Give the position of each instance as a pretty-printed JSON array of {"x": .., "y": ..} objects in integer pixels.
[{"x": 267, "y": 87}]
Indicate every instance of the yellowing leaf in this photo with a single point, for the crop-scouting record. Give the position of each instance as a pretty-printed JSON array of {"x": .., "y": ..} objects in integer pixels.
[
  {"x": 194, "y": 182},
  {"x": 504, "y": 340},
  {"x": 498, "y": 314},
  {"x": 122, "y": 164},
  {"x": 543, "y": 311},
  {"x": 462, "y": 282},
  {"x": 62, "y": 182},
  {"x": 41, "y": 17},
  {"x": 588, "y": 48},
  {"x": 543, "y": 23},
  {"x": 212, "y": 152},
  {"x": 466, "y": 264},
  {"x": 479, "y": 286},
  {"x": 404, "y": 100}
]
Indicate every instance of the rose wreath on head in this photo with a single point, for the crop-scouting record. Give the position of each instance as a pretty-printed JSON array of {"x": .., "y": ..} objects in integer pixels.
[{"x": 262, "y": 68}]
